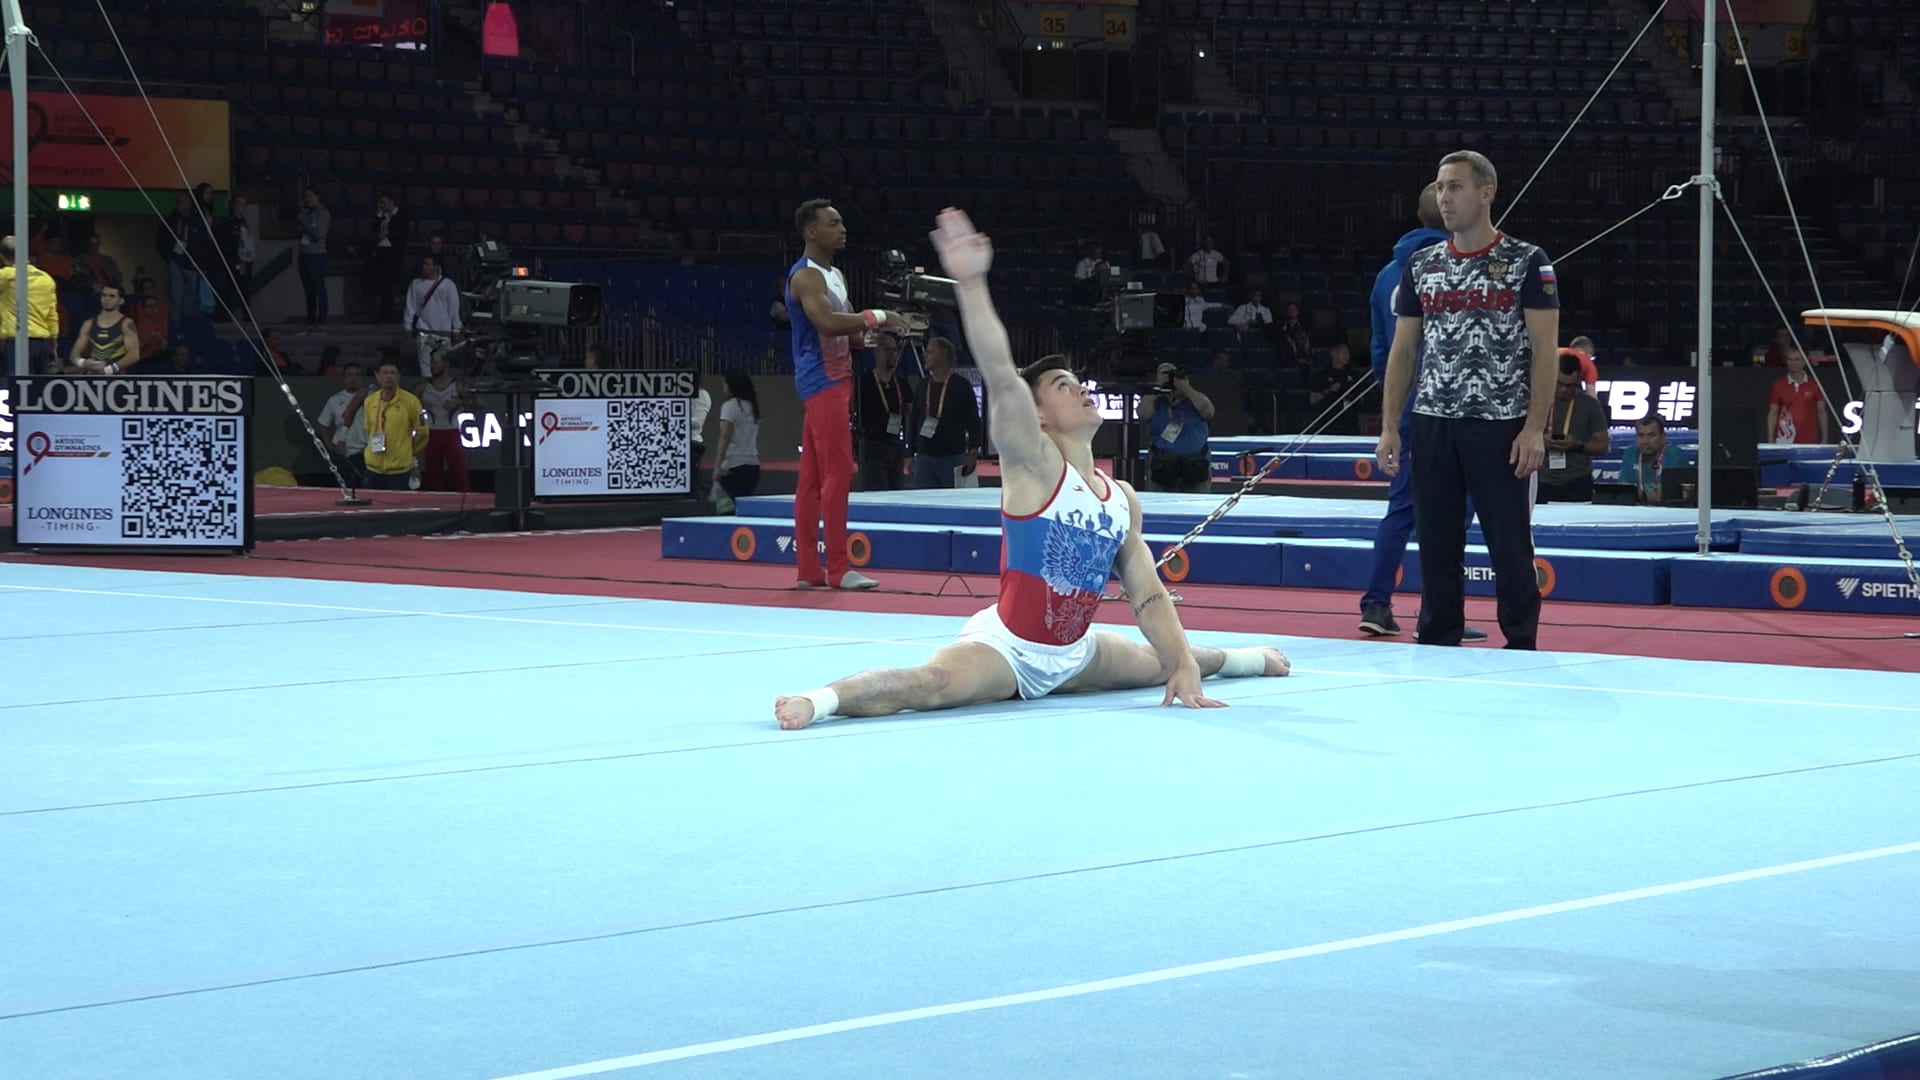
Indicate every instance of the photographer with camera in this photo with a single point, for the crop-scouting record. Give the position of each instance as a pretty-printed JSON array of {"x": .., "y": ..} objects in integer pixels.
[
  {"x": 947, "y": 432},
  {"x": 1176, "y": 417},
  {"x": 823, "y": 320},
  {"x": 885, "y": 398}
]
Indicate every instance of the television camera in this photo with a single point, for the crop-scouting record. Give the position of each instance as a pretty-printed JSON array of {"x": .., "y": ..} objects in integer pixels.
[
  {"x": 913, "y": 292},
  {"x": 506, "y": 313}
]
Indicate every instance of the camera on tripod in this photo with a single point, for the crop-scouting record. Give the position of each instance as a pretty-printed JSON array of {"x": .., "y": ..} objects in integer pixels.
[
  {"x": 913, "y": 292},
  {"x": 506, "y": 313}
]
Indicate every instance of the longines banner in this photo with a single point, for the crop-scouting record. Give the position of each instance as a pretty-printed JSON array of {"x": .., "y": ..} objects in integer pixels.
[
  {"x": 613, "y": 433},
  {"x": 64, "y": 150},
  {"x": 132, "y": 462}
]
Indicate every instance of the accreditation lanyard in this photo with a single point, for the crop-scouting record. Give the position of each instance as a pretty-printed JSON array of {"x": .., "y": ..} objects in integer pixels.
[
  {"x": 1566, "y": 420},
  {"x": 932, "y": 422},
  {"x": 945, "y": 385},
  {"x": 891, "y": 402}
]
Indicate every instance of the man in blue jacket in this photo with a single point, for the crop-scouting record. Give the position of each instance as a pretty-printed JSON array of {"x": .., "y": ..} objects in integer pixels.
[{"x": 1390, "y": 538}]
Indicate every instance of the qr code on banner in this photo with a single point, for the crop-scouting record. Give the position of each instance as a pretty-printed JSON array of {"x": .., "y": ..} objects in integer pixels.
[
  {"x": 181, "y": 479},
  {"x": 648, "y": 443}
]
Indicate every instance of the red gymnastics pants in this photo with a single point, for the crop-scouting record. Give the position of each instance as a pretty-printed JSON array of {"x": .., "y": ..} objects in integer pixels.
[{"x": 826, "y": 475}]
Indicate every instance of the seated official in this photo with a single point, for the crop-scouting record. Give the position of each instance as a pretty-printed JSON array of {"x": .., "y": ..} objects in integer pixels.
[
  {"x": 1645, "y": 467},
  {"x": 1176, "y": 416},
  {"x": 1576, "y": 431}
]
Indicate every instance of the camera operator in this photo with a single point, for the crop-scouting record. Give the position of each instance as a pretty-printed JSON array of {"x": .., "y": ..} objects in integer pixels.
[
  {"x": 947, "y": 431},
  {"x": 433, "y": 313},
  {"x": 1176, "y": 417},
  {"x": 885, "y": 397}
]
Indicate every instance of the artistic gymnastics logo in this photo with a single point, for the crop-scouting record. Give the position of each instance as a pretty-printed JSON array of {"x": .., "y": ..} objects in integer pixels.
[
  {"x": 41, "y": 446},
  {"x": 553, "y": 422}
]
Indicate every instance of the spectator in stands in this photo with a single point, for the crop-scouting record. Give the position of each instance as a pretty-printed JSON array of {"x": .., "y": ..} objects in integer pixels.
[
  {"x": 1151, "y": 247},
  {"x": 43, "y": 314},
  {"x": 444, "y": 398},
  {"x": 737, "y": 456},
  {"x": 108, "y": 343},
  {"x": 1330, "y": 390},
  {"x": 1776, "y": 355},
  {"x": 451, "y": 262},
  {"x": 315, "y": 222},
  {"x": 778, "y": 312},
  {"x": 397, "y": 431},
  {"x": 1220, "y": 361},
  {"x": 432, "y": 317},
  {"x": 948, "y": 434},
  {"x": 238, "y": 245},
  {"x": 1197, "y": 308},
  {"x": 823, "y": 320},
  {"x": 152, "y": 324},
  {"x": 329, "y": 361},
  {"x": 1093, "y": 265},
  {"x": 179, "y": 361},
  {"x": 1252, "y": 314},
  {"x": 95, "y": 269},
  {"x": 386, "y": 256},
  {"x": 1646, "y": 467},
  {"x": 1576, "y": 432},
  {"x": 1088, "y": 274},
  {"x": 174, "y": 241},
  {"x": 1177, "y": 417},
  {"x": 884, "y": 401},
  {"x": 1290, "y": 337},
  {"x": 1485, "y": 306},
  {"x": 278, "y": 353},
  {"x": 1208, "y": 267},
  {"x": 1796, "y": 409},
  {"x": 209, "y": 263},
  {"x": 593, "y": 358}
]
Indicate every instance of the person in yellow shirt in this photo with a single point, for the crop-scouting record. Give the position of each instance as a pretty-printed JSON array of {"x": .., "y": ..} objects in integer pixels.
[
  {"x": 397, "y": 431},
  {"x": 43, "y": 313}
]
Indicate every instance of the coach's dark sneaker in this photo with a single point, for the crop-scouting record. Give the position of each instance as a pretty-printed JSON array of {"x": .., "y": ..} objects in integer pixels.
[{"x": 1376, "y": 620}]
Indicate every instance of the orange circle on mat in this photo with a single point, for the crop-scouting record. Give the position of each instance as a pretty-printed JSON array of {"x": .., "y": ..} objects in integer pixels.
[
  {"x": 1789, "y": 587},
  {"x": 859, "y": 549},
  {"x": 1544, "y": 576},
  {"x": 1247, "y": 465},
  {"x": 6, "y": 492},
  {"x": 1363, "y": 469},
  {"x": 743, "y": 543},
  {"x": 1178, "y": 566}
]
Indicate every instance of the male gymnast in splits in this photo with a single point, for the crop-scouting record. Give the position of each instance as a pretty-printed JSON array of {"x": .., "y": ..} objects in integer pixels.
[{"x": 1065, "y": 525}]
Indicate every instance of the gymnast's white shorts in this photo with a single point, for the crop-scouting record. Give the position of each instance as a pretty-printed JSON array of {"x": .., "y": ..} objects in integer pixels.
[{"x": 1040, "y": 669}]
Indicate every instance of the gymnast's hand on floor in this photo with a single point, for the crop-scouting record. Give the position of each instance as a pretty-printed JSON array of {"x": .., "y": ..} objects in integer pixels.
[{"x": 1185, "y": 686}]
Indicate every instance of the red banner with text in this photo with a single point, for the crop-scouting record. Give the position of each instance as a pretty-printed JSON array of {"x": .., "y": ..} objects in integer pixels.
[{"x": 65, "y": 150}]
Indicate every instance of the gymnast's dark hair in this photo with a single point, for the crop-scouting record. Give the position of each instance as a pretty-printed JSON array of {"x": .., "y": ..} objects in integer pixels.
[
  {"x": 740, "y": 388},
  {"x": 1038, "y": 369},
  {"x": 809, "y": 210}
]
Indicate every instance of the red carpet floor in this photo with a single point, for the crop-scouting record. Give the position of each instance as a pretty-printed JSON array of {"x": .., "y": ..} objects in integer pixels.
[{"x": 627, "y": 563}]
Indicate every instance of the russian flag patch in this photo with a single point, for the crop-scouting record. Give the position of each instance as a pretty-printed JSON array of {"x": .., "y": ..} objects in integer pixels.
[{"x": 1546, "y": 274}]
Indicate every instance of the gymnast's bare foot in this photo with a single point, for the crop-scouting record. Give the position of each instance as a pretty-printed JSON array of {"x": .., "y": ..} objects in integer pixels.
[
  {"x": 1277, "y": 663},
  {"x": 795, "y": 713}
]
